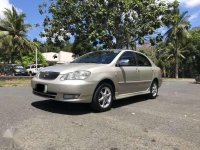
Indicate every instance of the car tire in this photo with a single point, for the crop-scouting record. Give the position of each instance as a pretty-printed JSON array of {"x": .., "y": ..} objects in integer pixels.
[
  {"x": 153, "y": 90},
  {"x": 30, "y": 74},
  {"x": 102, "y": 98}
]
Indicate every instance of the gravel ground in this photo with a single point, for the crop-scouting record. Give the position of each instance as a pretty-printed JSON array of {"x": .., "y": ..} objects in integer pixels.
[{"x": 170, "y": 122}]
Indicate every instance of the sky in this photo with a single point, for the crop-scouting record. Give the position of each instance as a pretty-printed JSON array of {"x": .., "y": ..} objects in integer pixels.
[{"x": 30, "y": 8}]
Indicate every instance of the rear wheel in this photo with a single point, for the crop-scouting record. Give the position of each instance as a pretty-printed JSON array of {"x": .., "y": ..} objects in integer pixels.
[
  {"x": 103, "y": 98},
  {"x": 153, "y": 90},
  {"x": 30, "y": 74}
]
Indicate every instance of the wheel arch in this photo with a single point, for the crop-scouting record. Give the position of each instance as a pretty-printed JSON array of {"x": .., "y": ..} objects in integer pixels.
[
  {"x": 94, "y": 104},
  {"x": 156, "y": 80},
  {"x": 109, "y": 81}
]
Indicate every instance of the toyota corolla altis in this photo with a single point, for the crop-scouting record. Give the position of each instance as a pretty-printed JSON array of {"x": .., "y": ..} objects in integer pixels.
[{"x": 98, "y": 78}]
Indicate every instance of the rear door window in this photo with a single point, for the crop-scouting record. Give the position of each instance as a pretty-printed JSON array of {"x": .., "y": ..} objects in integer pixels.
[{"x": 142, "y": 60}]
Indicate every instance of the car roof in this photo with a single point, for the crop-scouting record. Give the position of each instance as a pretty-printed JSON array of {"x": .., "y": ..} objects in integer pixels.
[
  {"x": 119, "y": 50},
  {"x": 124, "y": 50}
]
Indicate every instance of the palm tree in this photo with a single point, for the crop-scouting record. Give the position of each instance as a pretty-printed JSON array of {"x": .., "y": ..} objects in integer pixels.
[
  {"x": 166, "y": 55},
  {"x": 5, "y": 49},
  {"x": 177, "y": 35},
  {"x": 14, "y": 29}
]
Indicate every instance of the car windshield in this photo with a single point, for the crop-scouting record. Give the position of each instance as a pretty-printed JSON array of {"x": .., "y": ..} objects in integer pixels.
[
  {"x": 18, "y": 67},
  {"x": 99, "y": 57}
]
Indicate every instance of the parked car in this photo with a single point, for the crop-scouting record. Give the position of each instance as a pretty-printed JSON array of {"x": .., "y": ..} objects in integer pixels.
[
  {"x": 14, "y": 70},
  {"x": 197, "y": 78},
  {"x": 32, "y": 70},
  {"x": 99, "y": 78},
  {"x": 1, "y": 70}
]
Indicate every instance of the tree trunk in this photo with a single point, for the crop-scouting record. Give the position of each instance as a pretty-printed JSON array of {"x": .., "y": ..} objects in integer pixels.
[
  {"x": 176, "y": 64},
  {"x": 164, "y": 71}
]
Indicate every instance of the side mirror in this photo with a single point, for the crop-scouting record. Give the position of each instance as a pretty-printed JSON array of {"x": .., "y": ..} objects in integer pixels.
[{"x": 123, "y": 62}]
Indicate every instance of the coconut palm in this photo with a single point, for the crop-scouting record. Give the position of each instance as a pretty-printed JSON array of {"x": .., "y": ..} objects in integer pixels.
[
  {"x": 177, "y": 35},
  {"x": 13, "y": 28}
]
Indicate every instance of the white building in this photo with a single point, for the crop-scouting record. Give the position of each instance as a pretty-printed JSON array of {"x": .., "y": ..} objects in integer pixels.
[{"x": 61, "y": 57}]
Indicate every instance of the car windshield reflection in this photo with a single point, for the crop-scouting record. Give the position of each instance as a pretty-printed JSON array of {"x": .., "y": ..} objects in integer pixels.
[
  {"x": 98, "y": 57},
  {"x": 18, "y": 67}
]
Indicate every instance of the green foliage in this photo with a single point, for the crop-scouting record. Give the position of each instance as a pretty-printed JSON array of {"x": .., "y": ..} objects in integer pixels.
[
  {"x": 13, "y": 23},
  {"x": 14, "y": 47},
  {"x": 149, "y": 50},
  {"x": 5, "y": 48},
  {"x": 50, "y": 46},
  {"x": 177, "y": 37},
  {"x": 30, "y": 59},
  {"x": 112, "y": 23},
  {"x": 189, "y": 56},
  {"x": 191, "y": 64},
  {"x": 55, "y": 47},
  {"x": 81, "y": 46},
  {"x": 164, "y": 59},
  {"x": 13, "y": 40}
]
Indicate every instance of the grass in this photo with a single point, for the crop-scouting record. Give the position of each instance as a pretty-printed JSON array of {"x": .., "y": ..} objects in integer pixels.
[{"x": 15, "y": 82}]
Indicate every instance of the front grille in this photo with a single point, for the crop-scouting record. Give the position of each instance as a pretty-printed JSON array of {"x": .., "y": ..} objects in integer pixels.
[
  {"x": 48, "y": 94},
  {"x": 48, "y": 75}
]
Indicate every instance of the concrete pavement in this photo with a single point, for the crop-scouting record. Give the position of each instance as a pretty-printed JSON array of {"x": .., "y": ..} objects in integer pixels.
[{"x": 170, "y": 122}]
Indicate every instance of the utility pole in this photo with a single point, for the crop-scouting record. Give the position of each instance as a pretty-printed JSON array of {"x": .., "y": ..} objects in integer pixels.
[{"x": 36, "y": 59}]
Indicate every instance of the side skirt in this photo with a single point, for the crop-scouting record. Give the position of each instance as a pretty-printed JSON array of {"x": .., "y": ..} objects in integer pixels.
[{"x": 121, "y": 96}]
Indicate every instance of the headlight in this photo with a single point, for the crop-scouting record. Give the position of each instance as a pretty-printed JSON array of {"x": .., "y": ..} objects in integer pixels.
[{"x": 77, "y": 75}]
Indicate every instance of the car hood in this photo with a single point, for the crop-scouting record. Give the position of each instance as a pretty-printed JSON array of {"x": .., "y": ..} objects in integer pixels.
[{"x": 71, "y": 67}]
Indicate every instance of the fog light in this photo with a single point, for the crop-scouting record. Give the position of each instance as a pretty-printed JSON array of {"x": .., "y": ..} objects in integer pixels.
[{"x": 71, "y": 96}]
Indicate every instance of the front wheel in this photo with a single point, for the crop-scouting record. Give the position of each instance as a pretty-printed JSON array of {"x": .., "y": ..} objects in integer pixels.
[
  {"x": 103, "y": 98},
  {"x": 153, "y": 90}
]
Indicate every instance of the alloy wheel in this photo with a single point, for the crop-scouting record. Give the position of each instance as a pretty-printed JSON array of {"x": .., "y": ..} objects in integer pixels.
[{"x": 105, "y": 97}]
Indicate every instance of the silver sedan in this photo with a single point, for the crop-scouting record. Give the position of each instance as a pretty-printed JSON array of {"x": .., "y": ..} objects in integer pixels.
[{"x": 99, "y": 78}]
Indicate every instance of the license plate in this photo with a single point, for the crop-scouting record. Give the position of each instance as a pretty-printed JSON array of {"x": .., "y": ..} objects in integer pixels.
[{"x": 42, "y": 88}]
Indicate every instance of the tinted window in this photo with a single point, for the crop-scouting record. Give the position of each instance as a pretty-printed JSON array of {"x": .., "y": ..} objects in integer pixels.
[
  {"x": 18, "y": 67},
  {"x": 142, "y": 60},
  {"x": 8, "y": 67},
  {"x": 99, "y": 57},
  {"x": 33, "y": 66},
  {"x": 129, "y": 57}
]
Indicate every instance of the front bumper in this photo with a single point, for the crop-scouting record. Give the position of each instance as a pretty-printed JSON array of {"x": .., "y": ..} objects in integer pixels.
[{"x": 56, "y": 89}]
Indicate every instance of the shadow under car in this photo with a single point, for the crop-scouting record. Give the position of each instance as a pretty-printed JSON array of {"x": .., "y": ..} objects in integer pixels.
[{"x": 81, "y": 108}]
